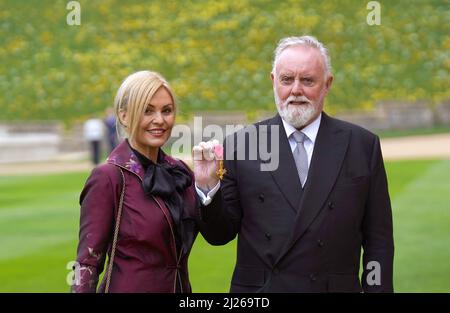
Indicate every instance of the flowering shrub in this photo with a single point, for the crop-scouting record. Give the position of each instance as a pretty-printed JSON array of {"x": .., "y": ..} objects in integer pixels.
[{"x": 216, "y": 54}]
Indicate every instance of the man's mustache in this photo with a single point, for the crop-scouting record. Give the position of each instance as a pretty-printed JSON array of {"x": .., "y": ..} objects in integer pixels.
[{"x": 302, "y": 100}]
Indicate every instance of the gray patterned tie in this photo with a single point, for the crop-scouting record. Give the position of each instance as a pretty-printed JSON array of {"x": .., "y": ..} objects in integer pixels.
[{"x": 300, "y": 156}]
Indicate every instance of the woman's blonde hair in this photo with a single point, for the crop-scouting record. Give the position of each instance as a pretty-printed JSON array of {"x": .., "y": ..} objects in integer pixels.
[{"x": 134, "y": 95}]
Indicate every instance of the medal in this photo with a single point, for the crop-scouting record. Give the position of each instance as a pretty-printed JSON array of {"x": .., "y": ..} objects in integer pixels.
[{"x": 221, "y": 171}]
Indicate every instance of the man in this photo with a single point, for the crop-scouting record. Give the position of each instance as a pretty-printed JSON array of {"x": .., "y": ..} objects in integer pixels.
[
  {"x": 301, "y": 227},
  {"x": 93, "y": 133}
]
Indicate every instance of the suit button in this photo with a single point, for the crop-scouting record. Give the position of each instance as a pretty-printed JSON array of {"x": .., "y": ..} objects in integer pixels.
[
  {"x": 312, "y": 277},
  {"x": 261, "y": 197},
  {"x": 276, "y": 270},
  {"x": 331, "y": 205},
  {"x": 268, "y": 236},
  {"x": 320, "y": 243}
]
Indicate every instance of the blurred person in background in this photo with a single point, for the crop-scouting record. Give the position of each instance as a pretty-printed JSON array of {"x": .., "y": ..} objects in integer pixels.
[
  {"x": 111, "y": 123},
  {"x": 94, "y": 133},
  {"x": 139, "y": 208}
]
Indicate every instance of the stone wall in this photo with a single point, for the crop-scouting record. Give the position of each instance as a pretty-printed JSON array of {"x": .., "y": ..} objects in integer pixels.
[
  {"x": 34, "y": 141},
  {"x": 395, "y": 115},
  {"x": 23, "y": 142},
  {"x": 442, "y": 113},
  {"x": 41, "y": 141}
]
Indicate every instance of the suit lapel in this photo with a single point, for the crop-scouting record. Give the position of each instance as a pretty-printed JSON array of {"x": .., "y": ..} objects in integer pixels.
[
  {"x": 286, "y": 177},
  {"x": 329, "y": 152}
]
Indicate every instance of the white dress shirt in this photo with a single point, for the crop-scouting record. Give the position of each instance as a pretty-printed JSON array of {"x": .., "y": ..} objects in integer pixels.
[
  {"x": 311, "y": 134},
  {"x": 208, "y": 198}
]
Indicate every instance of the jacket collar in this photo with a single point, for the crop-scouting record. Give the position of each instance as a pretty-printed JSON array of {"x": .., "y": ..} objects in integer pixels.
[
  {"x": 328, "y": 157},
  {"x": 125, "y": 158},
  {"x": 285, "y": 179}
]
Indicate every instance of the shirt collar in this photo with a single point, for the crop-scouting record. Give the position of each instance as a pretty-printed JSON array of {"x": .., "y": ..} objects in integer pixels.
[{"x": 310, "y": 130}]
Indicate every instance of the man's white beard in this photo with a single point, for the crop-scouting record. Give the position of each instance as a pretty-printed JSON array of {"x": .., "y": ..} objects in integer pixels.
[{"x": 294, "y": 114}]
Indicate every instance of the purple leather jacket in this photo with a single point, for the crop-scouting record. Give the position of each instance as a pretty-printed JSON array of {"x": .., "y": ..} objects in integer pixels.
[{"x": 146, "y": 257}]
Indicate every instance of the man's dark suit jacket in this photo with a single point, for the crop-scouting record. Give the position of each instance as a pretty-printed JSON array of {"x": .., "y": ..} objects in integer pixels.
[{"x": 307, "y": 240}]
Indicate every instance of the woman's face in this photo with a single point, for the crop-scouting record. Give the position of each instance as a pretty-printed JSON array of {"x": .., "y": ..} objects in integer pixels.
[{"x": 156, "y": 123}]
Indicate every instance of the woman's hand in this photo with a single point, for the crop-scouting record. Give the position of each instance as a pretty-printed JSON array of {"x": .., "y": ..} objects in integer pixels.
[{"x": 207, "y": 156}]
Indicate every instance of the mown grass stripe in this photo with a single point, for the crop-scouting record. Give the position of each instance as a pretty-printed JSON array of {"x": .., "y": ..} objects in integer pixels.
[
  {"x": 39, "y": 229},
  {"x": 421, "y": 215}
]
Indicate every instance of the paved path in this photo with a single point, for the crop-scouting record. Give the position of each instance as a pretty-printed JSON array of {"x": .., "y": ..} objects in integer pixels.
[
  {"x": 415, "y": 147},
  {"x": 44, "y": 168}
]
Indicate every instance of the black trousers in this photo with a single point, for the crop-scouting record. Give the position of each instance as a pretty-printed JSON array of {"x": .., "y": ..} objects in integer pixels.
[{"x": 95, "y": 151}]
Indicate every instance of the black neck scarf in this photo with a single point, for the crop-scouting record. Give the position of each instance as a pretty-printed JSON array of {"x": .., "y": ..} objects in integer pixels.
[{"x": 167, "y": 182}]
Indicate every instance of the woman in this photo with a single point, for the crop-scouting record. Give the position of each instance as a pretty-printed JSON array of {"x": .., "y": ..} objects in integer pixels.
[{"x": 140, "y": 208}]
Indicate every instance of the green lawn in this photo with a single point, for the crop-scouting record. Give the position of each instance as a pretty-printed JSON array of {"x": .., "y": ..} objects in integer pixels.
[{"x": 39, "y": 227}]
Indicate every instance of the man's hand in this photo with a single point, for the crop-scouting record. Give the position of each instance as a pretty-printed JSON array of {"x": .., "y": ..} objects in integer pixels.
[{"x": 207, "y": 156}]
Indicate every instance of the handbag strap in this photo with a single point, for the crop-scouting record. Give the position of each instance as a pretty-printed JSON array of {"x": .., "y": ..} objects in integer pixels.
[{"x": 116, "y": 234}]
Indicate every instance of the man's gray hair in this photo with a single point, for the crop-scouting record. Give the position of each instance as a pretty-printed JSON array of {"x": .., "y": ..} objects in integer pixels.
[{"x": 308, "y": 41}]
